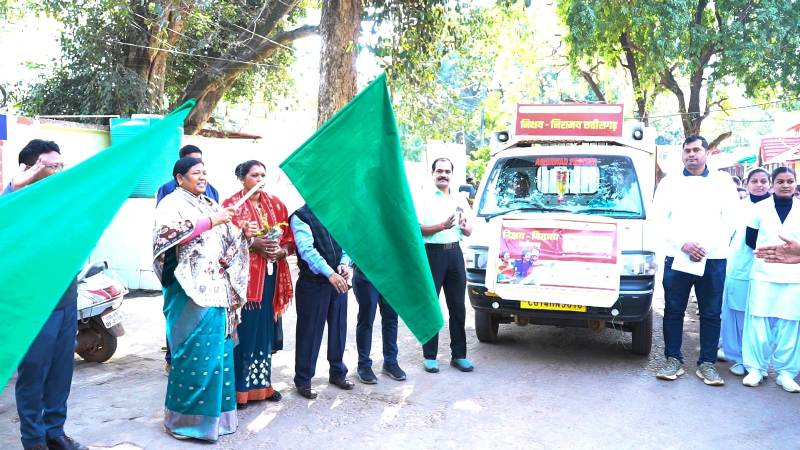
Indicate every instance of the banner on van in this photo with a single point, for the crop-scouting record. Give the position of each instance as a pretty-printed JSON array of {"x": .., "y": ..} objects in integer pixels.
[
  {"x": 574, "y": 262},
  {"x": 569, "y": 120}
]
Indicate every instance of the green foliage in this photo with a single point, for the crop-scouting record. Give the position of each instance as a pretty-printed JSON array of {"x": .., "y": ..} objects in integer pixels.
[
  {"x": 478, "y": 159},
  {"x": 710, "y": 44},
  {"x": 92, "y": 55}
]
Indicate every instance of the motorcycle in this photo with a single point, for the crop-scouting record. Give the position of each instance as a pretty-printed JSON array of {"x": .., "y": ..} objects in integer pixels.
[{"x": 100, "y": 294}]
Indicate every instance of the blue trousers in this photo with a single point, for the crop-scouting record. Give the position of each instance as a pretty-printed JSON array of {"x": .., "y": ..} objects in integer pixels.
[
  {"x": 44, "y": 377},
  {"x": 734, "y": 303},
  {"x": 771, "y": 340},
  {"x": 316, "y": 304},
  {"x": 369, "y": 299},
  {"x": 709, "y": 289}
]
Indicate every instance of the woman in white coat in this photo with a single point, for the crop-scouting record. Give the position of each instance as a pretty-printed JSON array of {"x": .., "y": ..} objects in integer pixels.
[
  {"x": 772, "y": 320},
  {"x": 737, "y": 277}
]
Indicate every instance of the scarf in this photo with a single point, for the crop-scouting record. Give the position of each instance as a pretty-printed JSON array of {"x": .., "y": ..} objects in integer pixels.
[
  {"x": 273, "y": 212},
  {"x": 212, "y": 267}
]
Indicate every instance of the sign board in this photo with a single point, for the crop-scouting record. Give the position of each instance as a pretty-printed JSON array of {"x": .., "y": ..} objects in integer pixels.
[
  {"x": 569, "y": 120},
  {"x": 575, "y": 262}
]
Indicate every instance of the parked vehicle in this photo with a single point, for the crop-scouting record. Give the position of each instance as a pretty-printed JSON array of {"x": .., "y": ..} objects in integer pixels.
[
  {"x": 100, "y": 294},
  {"x": 561, "y": 236}
]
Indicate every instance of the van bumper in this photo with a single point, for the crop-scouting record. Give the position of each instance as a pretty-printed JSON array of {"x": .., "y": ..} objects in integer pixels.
[{"x": 633, "y": 305}]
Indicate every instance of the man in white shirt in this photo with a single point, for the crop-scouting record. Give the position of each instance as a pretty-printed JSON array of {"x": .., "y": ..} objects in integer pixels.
[
  {"x": 443, "y": 220},
  {"x": 694, "y": 210}
]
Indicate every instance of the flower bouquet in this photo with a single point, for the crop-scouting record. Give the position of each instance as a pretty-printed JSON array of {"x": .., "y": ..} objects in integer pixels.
[{"x": 272, "y": 232}]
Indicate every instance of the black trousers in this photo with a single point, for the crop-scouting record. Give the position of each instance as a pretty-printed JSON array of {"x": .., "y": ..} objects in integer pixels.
[
  {"x": 447, "y": 268},
  {"x": 318, "y": 304}
]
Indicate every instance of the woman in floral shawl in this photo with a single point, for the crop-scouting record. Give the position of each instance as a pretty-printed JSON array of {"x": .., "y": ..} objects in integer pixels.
[
  {"x": 202, "y": 263},
  {"x": 270, "y": 289}
]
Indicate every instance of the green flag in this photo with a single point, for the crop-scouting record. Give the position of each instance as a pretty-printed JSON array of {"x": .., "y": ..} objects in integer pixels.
[
  {"x": 351, "y": 175},
  {"x": 49, "y": 228}
]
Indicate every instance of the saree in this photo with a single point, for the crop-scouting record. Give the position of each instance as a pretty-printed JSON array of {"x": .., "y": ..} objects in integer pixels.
[
  {"x": 204, "y": 283},
  {"x": 268, "y": 295}
]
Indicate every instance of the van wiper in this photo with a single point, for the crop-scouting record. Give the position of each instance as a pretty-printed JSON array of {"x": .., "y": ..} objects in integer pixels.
[
  {"x": 525, "y": 208},
  {"x": 606, "y": 210}
]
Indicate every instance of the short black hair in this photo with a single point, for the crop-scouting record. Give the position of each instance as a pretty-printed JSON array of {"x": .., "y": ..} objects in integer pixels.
[
  {"x": 782, "y": 169},
  {"x": 35, "y": 148},
  {"x": 183, "y": 165},
  {"x": 695, "y": 137},
  {"x": 757, "y": 170},
  {"x": 187, "y": 149},
  {"x": 244, "y": 168},
  {"x": 433, "y": 166}
]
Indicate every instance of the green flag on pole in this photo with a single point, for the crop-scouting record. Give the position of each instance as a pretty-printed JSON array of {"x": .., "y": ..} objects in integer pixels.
[
  {"x": 351, "y": 175},
  {"x": 49, "y": 229}
]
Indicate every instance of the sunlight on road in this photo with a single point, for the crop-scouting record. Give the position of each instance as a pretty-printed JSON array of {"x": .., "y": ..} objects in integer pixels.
[
  {"x": 263, "y": 419},
  {"x": 390, "y": 412},
  {"x": 468, "y": 405}
]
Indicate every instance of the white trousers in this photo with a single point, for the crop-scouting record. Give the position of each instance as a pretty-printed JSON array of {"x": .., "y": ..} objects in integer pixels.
[{"x": 769, "y": 339}]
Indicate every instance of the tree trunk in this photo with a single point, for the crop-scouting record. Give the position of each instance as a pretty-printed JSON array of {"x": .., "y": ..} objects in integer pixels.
[
  {"x": 208, "y": 86},
  {"x": 339, "y": 29},
  {"x": 154, "y": 33},
  {"x": 639, "y": 93}
]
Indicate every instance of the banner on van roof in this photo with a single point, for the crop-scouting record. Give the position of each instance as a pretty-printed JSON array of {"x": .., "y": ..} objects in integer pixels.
[{"x": 569, "y": 120}]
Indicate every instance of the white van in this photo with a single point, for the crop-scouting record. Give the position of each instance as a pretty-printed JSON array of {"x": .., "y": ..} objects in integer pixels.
[{"x": 561, "y": 229}]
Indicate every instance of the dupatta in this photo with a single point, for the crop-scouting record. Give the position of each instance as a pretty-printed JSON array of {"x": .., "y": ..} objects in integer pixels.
[
  {"x": 212, "y": 268},
  {"x": 273, "y": 212}
]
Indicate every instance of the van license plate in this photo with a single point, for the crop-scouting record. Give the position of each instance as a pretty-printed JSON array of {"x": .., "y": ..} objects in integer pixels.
[
  {"x": 552, "y": 306},
  {"x": 112, "y": 318}
]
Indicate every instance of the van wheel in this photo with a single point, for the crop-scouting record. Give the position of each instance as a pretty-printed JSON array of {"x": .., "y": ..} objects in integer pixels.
[
  {"x": 104, "y": 344},
  {"x": 643, "y": 335},
  {"x": 486, "y": 326}
]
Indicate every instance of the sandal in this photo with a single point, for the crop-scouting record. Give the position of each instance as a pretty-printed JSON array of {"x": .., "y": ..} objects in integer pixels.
[{"x": 275, "y": 397}]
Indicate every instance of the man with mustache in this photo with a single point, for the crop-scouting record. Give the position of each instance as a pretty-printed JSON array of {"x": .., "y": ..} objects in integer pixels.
[
  {"x": 693, "y": 209},
  {"x": 443, "y": 221}
]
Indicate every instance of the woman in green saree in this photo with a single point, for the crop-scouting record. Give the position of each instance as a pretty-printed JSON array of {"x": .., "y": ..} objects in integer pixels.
[{"x": 201, "y": 260}]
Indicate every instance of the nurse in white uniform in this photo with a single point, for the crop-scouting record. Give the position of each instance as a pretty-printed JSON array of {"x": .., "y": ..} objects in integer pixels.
[
  {"x": 772, "y": 320},
  {"x": 737, "y": 277}
]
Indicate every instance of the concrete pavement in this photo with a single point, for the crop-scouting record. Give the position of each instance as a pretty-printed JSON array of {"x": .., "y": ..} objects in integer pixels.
[{"x": 539, "y": 387}]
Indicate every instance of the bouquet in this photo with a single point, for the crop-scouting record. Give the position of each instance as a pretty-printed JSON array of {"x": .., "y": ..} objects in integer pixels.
[{"x": 272, "y": 232}]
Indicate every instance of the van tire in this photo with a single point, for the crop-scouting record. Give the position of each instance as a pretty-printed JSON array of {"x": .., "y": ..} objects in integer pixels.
[
  {"x": 486, "y": 326},
  {"x": 642, "y": 335}
]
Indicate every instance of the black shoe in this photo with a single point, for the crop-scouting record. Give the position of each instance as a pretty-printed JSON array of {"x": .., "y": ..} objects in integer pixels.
[
  {"x": 36, "y": 447},
  {"x": 342, "y": 383},
  {"x": 395, "y": 372},
  {"x": 64, "y": 443},
  {"x": 241, "y": 406},
  {"x": 275, "y": 397},
  {"x": 366, "y": 375},
  {"x": 307, "y": 392}
]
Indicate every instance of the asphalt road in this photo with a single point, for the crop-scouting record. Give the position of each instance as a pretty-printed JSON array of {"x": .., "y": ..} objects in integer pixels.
[{"x": 539, "y": 387}]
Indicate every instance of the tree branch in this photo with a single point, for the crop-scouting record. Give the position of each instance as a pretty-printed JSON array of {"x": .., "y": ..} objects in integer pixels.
[
  {"x": 718, "y": 140},
  {"x": 593, "y": 85}
]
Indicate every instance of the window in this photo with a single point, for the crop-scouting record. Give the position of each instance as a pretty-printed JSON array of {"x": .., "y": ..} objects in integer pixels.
[{"x": 582, "y": 184}]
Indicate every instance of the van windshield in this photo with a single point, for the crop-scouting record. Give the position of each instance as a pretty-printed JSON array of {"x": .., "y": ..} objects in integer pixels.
[{"x": 583, "y": 184}]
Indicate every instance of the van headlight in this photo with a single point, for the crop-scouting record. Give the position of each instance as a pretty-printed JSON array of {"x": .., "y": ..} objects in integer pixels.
[
  {"x": 476, "y": 258},
  {"x": 639, "y": 263}
]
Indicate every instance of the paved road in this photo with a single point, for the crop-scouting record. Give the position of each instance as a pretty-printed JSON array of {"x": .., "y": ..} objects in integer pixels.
[{"x": 539, "y": 387}]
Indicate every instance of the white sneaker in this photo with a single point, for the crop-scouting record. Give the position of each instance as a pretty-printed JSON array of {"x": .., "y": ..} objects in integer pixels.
[
  {"x": 787, "y": 383},
  {"x": 738, "y": 369},
  {"x": 752, "y": 379},
  {"x": 721, "y": 355}
]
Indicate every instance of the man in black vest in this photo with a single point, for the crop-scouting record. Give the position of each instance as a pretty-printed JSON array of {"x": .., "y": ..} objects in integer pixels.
[{"x": 320, "y": 296}]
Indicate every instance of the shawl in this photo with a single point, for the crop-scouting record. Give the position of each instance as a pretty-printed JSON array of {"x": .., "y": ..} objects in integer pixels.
[
  {"x": 212, "y": 267},
  {"x": 274, "y": 212}
]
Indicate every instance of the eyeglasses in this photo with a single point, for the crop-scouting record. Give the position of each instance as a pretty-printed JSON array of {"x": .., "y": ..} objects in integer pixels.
[{"x": 57, "y": 167}]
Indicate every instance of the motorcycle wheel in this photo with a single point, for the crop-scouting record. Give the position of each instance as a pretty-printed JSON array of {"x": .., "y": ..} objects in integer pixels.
[{"x": 105, "y": 344}]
